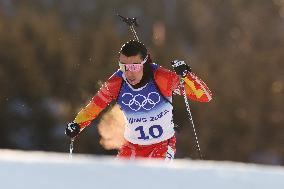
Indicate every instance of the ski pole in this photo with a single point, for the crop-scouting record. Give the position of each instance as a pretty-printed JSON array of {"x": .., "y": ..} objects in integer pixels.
[
  {"x": 190, "y": 118},
  {"x": 71, "y": 143},
  {"x": 71, "y": 148},
  {"x": 131, "y": 22}
]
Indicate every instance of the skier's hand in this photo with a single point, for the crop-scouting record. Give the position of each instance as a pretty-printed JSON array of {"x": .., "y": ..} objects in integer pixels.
[
  {"x": 180, "y": 67},
  {"x": 72, "y": 129}
]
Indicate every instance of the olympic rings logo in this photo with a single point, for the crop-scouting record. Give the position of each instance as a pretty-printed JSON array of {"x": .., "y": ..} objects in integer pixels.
[{"x": 140, "y": 101}]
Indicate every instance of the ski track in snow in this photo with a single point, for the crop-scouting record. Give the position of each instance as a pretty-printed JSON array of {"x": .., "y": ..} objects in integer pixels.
[{"x": 34, "y": 170}]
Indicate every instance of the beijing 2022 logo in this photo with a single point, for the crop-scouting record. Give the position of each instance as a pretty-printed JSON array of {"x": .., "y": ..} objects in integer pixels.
[{"x": 140, "y": 101}]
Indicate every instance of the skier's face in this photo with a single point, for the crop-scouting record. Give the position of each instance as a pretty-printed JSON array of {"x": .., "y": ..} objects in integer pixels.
[{"x": 133, "y": 77}]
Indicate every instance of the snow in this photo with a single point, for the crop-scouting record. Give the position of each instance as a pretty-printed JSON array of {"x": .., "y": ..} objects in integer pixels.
[{"x": 34, "y": 170}]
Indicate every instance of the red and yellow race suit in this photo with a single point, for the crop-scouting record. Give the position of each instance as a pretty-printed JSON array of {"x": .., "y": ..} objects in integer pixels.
[{"x": 149, "y": 125}]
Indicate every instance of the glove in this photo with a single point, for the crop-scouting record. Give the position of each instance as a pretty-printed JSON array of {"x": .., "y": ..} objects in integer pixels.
[
  {"x": 72, "y": 129},
  {"x": 180, "y": 67}
]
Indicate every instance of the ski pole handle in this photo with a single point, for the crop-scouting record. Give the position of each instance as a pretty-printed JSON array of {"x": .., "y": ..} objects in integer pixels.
[{"x": 132, "y": 23}]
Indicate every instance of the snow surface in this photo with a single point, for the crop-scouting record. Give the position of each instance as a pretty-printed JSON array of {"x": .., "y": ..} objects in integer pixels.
[{"x": 41, "y": 170}]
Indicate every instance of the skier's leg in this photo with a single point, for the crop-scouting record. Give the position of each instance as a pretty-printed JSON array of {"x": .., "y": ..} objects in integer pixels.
[
  {"x": 165, "y": 150},
  {"x": 170, "y": 153},
  {"x": 126, "y": 151}
]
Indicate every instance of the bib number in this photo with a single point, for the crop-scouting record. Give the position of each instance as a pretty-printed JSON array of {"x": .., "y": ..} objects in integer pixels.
[{"x": 155, "y": 131}]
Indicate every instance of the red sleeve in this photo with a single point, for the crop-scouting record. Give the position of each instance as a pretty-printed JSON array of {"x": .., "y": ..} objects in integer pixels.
[
  {"x": 195, "y": 89},
  {"x": 169, "y": 82},
  {"x": 166, "y": 80},
  {"x": 108, "y": 92}
]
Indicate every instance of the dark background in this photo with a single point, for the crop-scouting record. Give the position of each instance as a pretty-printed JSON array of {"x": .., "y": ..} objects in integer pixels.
[{"x": 54, "y": 55}]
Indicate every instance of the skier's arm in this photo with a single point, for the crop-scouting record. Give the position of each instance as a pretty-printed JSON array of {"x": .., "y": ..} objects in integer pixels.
[
  {"x": 195, "y": 88},
  {"x": 100, "y": 101}
]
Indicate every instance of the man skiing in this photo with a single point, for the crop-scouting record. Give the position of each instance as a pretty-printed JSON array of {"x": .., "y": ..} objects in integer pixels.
[{"x": 143, "y": 90}]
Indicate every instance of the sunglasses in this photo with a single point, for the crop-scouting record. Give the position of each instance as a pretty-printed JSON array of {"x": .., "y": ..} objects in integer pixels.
[{"x": 136, "y": 67}]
